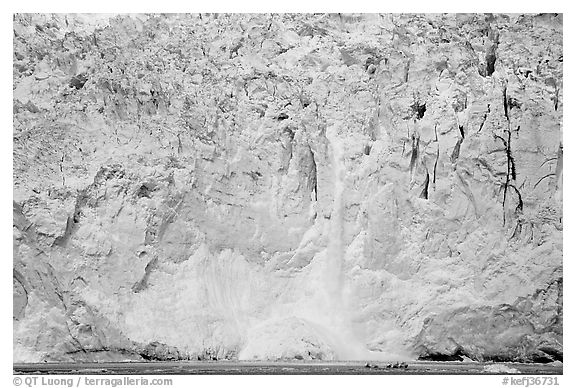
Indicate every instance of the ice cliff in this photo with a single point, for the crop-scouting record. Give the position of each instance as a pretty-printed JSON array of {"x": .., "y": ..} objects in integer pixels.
[{"x": 287, "y": 187}]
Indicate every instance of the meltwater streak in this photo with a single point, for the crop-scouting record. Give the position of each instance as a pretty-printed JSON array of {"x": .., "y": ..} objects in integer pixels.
[{"x": 334, "y": 279}]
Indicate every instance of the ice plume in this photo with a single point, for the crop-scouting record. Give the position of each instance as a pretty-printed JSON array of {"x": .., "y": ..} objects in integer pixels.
[
  {"x": 336, "y": 327},
  {"x": 319, "y": 320}
]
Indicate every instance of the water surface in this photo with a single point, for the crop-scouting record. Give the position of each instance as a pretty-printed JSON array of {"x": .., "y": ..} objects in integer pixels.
[{"x": 282, "y": 368}]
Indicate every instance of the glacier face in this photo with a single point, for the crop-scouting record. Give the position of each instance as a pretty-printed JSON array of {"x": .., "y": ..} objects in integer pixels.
[{"x": 287, "y": 187}]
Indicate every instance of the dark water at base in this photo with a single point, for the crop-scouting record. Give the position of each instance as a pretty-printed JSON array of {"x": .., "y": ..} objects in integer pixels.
[{"x": 283, "y": 368}]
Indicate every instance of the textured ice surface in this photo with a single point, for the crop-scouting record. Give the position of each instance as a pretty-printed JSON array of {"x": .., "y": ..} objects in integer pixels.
[{"x": 288, "y": 187}]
